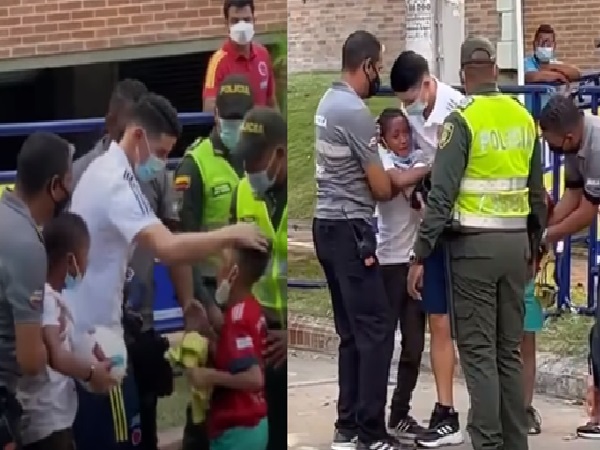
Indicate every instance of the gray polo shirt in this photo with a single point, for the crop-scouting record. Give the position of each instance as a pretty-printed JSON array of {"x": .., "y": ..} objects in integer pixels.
[
  {"x": 582, "y": 170},
  {"x": 23, "y": 267},
  {"x": 161, "y": 197},
  {"x": 346, "y": 143}
]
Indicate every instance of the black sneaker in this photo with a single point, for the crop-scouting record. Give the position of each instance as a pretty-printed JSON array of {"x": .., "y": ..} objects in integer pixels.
[
  {"x": 437, "y": 415},
  {"x": 384, "y": 444},
  {"x": 590, "y": 430},
  {"x": 534, "y": 421},
  {"x": 406, "y": 429},
  {"x": 343, "y": 440},
  {"x": 445, "y": 432}
]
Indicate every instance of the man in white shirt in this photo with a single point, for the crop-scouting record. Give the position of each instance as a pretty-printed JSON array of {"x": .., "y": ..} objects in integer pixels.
[
  {"x": 427, "y": 102},
  {"x": 119, "y": 217}
]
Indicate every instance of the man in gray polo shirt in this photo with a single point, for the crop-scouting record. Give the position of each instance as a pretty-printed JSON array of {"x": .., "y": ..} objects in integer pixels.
[
  {"x": 160, "y": 195},
  {"x": 42, "y": 189},
  {"x": 350, "y": 180}
]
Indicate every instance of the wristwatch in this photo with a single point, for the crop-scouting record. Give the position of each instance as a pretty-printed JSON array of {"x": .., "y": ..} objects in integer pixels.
[
  {"x": 91, "y": 374},
  {"x": 412, "y": 258}
]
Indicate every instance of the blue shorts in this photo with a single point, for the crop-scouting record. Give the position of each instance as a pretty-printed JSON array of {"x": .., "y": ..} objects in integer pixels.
[
  {"x": 108, "y": 422},
  {"x": 534, "y": 313},
  {"x": 435, "y": 282}
]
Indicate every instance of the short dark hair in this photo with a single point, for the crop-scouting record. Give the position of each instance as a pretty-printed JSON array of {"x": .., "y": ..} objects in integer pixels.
[
  {"x": 156, "y": 114},
  {"x": 358, "y": 47},
  {"x": 252, "y": 263},
  {"x": 42, "y": 157},
  {"x": 543, "y": 29},
  {"x": 407, "y": 71},
  {"x": 126, "y": 93},
  {"x": 64, "y": 234},
  {"x": 236, "y": 4},
  {"x": 560, "y": 114},
  {"x": 386, "y": 116}
]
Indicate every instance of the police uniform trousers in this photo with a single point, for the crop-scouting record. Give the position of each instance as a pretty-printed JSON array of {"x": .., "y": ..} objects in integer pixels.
[{"x": 489, "y": 275}]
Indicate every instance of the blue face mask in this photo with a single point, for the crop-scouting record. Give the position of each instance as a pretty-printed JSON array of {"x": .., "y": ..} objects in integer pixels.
[
  {"x": 416, "y": 108},
  {"x": 260, "y": 181},
  {"x": 544, "y": 54},
  {"x": 229, "y": 132},
  {"x": 71, "y": 282},
  {"x": 149, "y": 169}
]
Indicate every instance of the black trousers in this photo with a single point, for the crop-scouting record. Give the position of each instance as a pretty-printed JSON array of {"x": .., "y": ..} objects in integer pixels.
[
  {"x": 276, "y": 396},
  {"x": 362, "y": 318},
  {"x": 408, "y": 314},
  {"x": 59, "y": 440}
]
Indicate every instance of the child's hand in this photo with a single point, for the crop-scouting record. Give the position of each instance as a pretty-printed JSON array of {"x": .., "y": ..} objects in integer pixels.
[{"x": 201, "y": 377}]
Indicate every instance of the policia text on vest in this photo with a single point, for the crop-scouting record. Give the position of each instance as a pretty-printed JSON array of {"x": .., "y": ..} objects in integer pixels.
[{"x": 487, "y": 176}]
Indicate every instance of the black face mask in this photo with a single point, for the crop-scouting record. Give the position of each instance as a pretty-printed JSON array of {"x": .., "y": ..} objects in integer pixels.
[
  {"x": 60, "y": 205},
  {"x": 374, "y": 84},
  {"x": 558, "y": 150}
]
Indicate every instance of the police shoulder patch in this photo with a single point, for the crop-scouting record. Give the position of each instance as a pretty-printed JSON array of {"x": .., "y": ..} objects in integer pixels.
[
  {"x": 446, "y": 135},
  {"x": 465, "y": 102}
]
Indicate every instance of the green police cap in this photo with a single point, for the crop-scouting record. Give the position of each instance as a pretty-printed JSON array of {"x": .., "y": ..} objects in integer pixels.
[
  {"x": 477, "y": 50},
  {"x": 234, "y": 98},
  {"x": 262, "y": 130}
]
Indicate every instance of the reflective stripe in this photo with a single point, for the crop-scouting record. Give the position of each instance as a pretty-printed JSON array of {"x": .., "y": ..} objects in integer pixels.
[
  {"x": 492, "y": 185},
  {"x": 493, "y": 223}
]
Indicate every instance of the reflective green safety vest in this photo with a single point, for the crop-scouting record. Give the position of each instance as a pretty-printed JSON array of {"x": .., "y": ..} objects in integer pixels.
[
  {"x": 494, "y": 193},
  {"x": 271, "y": 290},
  {"x": 219, "y": 182}
]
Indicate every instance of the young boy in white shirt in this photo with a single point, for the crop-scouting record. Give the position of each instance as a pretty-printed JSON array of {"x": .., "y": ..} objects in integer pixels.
[
  {"x": 397, "y": 228},
  {"x": 427, "y": 102},
  {"x": 49, "y": 400}
]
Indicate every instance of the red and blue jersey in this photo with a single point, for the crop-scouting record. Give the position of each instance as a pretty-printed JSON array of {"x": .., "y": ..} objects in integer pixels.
[{"x": 240, "y": 346}]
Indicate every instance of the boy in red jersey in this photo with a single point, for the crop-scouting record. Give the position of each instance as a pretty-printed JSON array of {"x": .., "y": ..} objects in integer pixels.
[{"x": 237, "y": 419}]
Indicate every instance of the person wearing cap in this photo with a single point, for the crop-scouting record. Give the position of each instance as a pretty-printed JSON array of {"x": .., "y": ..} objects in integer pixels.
[
  {"x": 204, "y": 183},
  {"x": 487, "y": 190},
  {"x": 261, "y": 198}
]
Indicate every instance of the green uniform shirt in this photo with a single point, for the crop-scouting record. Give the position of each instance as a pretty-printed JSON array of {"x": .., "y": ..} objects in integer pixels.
[
  {"x": 190, "y": 198},
  {"x": 447, "y": 173}
]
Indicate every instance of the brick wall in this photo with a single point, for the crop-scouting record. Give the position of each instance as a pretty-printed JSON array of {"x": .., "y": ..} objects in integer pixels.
[
  {"x": 42, "y": 27},
  {"x": 317, "y": 28}
]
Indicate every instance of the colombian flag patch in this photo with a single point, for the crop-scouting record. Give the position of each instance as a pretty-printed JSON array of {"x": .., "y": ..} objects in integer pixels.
[{"x": 182, "y": 182}]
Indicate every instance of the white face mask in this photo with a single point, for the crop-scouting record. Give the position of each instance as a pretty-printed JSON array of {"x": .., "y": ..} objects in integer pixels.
[
  {"x": 222, "y": 293},
  {"x": 242, "y": 32}
]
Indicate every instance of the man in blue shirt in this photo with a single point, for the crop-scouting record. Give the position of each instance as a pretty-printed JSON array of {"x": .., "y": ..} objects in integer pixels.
[{"x": 543, "y": 67}]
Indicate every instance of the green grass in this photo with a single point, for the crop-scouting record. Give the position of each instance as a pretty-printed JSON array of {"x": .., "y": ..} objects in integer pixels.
[
  {"x": 171, "y": 410},
  {"x": 304, "y": 93},
  {"x": 310, "y": 302}
]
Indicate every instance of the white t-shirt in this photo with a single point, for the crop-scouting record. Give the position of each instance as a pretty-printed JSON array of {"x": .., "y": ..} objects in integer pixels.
[
  {"x": 109, "y": 199},
  {"x": 397, "y": 222},
  {"x": 426, "y": 132},
  {"x": 49, "y": 400}
]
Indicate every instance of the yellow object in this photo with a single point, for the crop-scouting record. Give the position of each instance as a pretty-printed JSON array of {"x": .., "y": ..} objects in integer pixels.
[
  {"x": 271, "y": 290},
  {"x": 545, "y": 289},
  {"x": 494, "y": 192},
  {"x": 192, "y": 352}
]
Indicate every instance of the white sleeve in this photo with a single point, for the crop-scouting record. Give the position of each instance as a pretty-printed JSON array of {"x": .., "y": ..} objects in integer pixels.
[
  {"x": 386, "y": 158},
  {"x": 51, "y": 312},
  {"x": 128, "y": 209}
]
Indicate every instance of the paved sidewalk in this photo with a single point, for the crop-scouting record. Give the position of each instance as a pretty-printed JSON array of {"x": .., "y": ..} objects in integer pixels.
[{"x": 312, "y": 393}]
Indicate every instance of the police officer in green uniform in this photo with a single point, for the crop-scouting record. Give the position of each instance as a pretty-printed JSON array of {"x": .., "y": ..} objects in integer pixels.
[
  {"x": 486, "y": 183},
  {"x": 205, "y": 183},
  {"x": 261, "y": 197}
]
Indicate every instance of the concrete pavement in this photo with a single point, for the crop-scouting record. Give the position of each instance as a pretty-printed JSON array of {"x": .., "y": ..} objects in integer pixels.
[{"x": 312, "y": 394}]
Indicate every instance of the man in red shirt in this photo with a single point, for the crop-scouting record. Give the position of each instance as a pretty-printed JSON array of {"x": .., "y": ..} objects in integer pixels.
[
  {"x": 240, "y": 55},
  {"x": 237, "y": 419}
]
